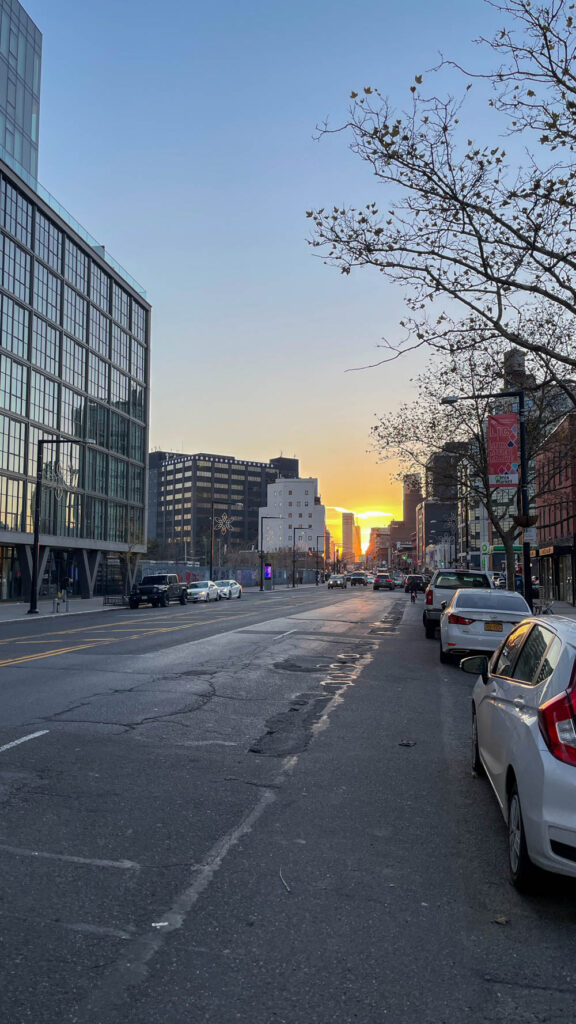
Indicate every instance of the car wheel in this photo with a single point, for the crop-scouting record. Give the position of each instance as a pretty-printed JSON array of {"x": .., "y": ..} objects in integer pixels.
[
  {"x": 164, "y": 601},
  {"x": 183, "y": 599},
  {"x": 444, "y": 655},
  {"x": 477, "y": 766},
  {"x": 239, "y": 594},
  {"x": 522, "y": 870},
  {"x": 134, "y": 604},
  {"x": 430, "y": 629}
]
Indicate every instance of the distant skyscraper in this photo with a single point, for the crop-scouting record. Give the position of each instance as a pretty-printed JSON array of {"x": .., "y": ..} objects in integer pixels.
[
  {"x": 412, "y": 488},
  {"x": 20, "y": 65},
  {"x": 357, "y": 543},
  {"x": 348, "y": 536}
]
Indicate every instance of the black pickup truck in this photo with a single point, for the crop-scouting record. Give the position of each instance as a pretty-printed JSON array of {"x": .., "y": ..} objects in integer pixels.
[{"x": 158, "y": 590}]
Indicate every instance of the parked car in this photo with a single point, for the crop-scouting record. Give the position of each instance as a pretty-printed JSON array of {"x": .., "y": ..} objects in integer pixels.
[
  {"x": 383, "y": 582},
  {"x": 337, "y": 582},
  {"x": 203, "y": 590},
  {"x": 441, "y": 588},
  {"x": 414, "y": 579},
  {"x": 524, "y": 739},
  {"x": 478, "y": 620},
  {"x": 158, "y": 590},
  {"x": 229, "y": 588}
]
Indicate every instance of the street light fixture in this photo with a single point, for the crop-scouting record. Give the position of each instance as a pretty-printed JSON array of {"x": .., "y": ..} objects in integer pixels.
[
  {"x": 294, "y": 552},
  {"x": 33, "y": 609},
  {"x": 517, "y": 393},
  {"x": 262, "y": 518}
]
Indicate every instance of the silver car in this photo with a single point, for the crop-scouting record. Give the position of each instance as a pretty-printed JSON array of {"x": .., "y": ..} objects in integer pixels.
[
  {"x": 203, "y": 590},
  {"x": 229, "y": 588},
  {"x": 524, "y": 740}
]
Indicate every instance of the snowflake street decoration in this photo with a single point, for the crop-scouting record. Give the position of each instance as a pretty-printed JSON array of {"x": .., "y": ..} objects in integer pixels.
[{"x": 223, "y": 523}]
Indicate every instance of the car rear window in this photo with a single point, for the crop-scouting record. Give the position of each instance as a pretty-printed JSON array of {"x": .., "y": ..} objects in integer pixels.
[
  {"x": 453, "y": 580},
  {"x": 497, "y": 603}
]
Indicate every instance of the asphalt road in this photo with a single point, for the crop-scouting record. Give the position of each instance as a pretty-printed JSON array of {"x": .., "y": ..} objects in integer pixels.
[{"x": 257, "y": 811}]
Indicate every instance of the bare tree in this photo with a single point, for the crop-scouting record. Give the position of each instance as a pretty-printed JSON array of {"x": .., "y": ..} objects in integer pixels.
[
  {"x": 424, "y": 426},
  {"x": 468, "y": 230}
]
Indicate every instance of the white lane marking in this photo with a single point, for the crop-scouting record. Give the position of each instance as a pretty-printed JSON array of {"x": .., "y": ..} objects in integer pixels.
[
  {"x": 93, "y": 929},
  {"x": 125, "y": 865},
  {"x": 24, "y": 739},
  {"x": 280, "y": 635}
]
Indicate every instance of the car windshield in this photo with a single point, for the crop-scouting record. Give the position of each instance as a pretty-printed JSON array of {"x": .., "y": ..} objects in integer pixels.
[
  {"x": 224, "y": 583},
  {"x": 153, "y": 579},
  {"x": 196, "y": 586},
  {"x": 493, "y": 602},
  {"x": 456, "y": 580}
]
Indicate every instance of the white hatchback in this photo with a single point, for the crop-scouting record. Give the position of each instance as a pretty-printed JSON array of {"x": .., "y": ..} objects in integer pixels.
[
  {"x": 478, "y": 620},
  {"x": 524, "y": 739}
]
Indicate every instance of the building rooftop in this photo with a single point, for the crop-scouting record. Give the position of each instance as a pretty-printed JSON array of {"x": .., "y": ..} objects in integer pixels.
[{"x": 63, "y": 213}]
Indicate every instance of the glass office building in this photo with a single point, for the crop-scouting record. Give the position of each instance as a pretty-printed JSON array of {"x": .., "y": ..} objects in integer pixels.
[
  {"x": 20, "y": 66},
  {"x": 74, "y": 368}
]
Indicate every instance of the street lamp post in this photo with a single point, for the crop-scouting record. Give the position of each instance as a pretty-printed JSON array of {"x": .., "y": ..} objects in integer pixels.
[
  {"x": 218, "y": 501},
  {"x": 294, "y": 552},
  {"x": 33, "y": 609},
  {"x": 262, "y": 518},
  {"x": 322, "y": 537},
  {"x": 524, "y": 499}
]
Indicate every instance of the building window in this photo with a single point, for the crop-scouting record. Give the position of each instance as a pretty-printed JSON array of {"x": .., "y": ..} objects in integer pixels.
[
  {"x": 46, "y": 293},
  {"x": 48, "y": 242},
  {"x": 138, "y": 402},
  {"x": 13, "y": 381},
  {"x": 119, "y": 390},
  {"x": 74, "y": 314},
  {"x": 15, "y": 321},
  {"x": 117, "y": 477},
  {"x": 120, "y": 348},
  {"x": 17, "y": 215},
  {"x": 96, "y": 471},
  {"x": 99, "y": 332},
  {"x": 100, "y": 287},
  {"x": 73, "y": 363},
  {"x": 138, "y": 361},
  {"x": 11, "y": 445},
  {"x": 76, "y": 266},
  {"x": 119, "y": 432},
  {"x": 138, "y": 322},
  {"x": 16, "y": 273},
  {"x": 97, "y": 377},
  {"x": 11, "y": 504},
  {"x": 44, "y": 395},
  {"x": 71, "y": 413},
  {"x": 45, "y": 346},
  {"x": 120, "y": 306}
]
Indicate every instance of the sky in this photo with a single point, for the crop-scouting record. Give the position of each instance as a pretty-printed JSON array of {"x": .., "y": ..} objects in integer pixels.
[{"x": 182, "y": 136}]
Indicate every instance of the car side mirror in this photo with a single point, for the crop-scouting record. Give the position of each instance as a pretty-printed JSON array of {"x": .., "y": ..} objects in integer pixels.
[
  {"x": 476, "y": 666},
  {"x": 443, "y": 605}
]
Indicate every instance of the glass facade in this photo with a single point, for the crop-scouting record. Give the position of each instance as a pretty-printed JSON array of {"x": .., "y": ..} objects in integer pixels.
[
  {"x": 20, "y": 66},
  {"x": 74, "y": 365}
]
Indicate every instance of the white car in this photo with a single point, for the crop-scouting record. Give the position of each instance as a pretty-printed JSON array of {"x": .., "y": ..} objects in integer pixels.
[
  {"x": 203, "y": 590},
  {"x": 478, "y": 620},
  {"x": 524, "y": 739},
  {"x": 229, "y": 588}
]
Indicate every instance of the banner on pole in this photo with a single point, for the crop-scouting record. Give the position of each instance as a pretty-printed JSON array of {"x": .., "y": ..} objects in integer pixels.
[{"x": 503, "y": 450}]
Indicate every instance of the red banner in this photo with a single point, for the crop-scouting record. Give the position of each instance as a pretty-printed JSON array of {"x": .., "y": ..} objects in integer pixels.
[{"x": 503, "y": 450}]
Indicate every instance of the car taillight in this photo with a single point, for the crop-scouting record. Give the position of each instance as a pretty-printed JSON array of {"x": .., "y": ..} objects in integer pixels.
[
  {"x": 557, "y": 721},
  {"x": 429, "y": 597},
  {"x": 459, "y": 620}
]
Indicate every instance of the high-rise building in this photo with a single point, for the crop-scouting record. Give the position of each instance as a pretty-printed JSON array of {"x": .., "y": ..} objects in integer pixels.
[
  {"x": 348, "y": 524},
  {"x": 294, "y": 516},
  {"x": 186, "y": 492},
  {"x": 412, "y": 495},
  {"x": 74, "y": 368},
  {"x": 20, "y": 67},
  {"x": 357, "y": 543}
]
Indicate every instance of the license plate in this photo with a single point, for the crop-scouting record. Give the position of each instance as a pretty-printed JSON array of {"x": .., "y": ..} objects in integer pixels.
[{"x": 493, "y": 627}]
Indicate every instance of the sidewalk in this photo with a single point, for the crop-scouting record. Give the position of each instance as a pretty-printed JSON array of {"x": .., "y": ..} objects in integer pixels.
[{"x": 16, "y": 611}]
